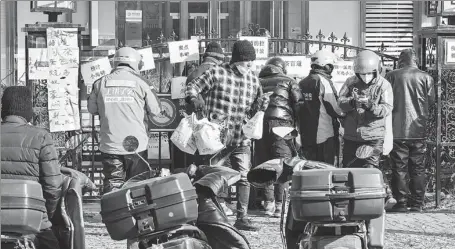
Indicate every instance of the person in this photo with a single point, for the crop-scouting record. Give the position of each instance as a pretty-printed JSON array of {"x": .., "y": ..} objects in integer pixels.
[
  {"x": 122, "y": 99},
  {"x": 367, "y": 100},
  {"x": 281, "y": 111},
  {"x": 319, "y": 112},
  {"x": 28, "y": 153},
  {"x": 233, "y": 93},
  {"x": 413, "y": 95}
]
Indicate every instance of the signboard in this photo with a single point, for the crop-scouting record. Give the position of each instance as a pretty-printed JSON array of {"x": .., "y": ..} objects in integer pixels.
[
  {"x": 178, "y": 85},
  {"x": 180, "y": 51},
  {"x": 450, "y": 51},
  {"x": 297, "y": 66},
  {"x": 133, "y": 28},
  {"x": 147, "y": 59},
  {"x": 94, "y": 70},
  {"x": 173, "y": 112},
  {"x": 341, "y": 72},
  {"x": 261, "y": 44}
]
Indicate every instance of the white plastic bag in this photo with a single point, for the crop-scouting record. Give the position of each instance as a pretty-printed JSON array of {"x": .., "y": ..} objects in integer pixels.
[
  {"x": 183, "y": 135},
  {"x": 253, "y": 128},
  {"x": 388, "y": 136},
  {"x": 207, "y": 136}
]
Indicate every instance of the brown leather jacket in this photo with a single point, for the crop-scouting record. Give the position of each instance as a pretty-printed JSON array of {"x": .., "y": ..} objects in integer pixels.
[{"x": 413, "y": 92}]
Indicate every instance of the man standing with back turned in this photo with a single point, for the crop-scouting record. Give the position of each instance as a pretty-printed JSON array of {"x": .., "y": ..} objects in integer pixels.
[{"x": 413, "y": 95}]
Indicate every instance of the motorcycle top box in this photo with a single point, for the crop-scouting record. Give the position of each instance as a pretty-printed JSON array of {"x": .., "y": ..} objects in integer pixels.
[
  {"x": 22, "y": 205},
  {"x": 348, "y": 194},
  {"x": 149, "y": 206}
]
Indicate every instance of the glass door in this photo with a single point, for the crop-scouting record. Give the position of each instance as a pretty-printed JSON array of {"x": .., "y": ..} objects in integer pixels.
[{"x": 198, "y": 18}]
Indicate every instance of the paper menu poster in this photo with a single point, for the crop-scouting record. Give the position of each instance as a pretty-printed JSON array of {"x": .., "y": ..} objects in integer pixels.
[
  {"x": 62, "y": 37},
  {"x": 147, "y": 58}
]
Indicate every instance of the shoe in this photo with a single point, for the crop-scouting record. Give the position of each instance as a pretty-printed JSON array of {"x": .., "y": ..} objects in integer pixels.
[
  {"x": 245, "y": 224},
  {"x": 399, "y": 208},
  {"x": 390, "y": 202},
  {"x": 269, "y": 208},
  {"x": 226, "y": 209},
  {"x": 416, "y": 209},
  {"x": 278, "y": 208}
]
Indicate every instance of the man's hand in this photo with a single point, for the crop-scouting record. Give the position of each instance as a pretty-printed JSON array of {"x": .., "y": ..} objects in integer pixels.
[
  {"x": 365, "y": 103},
  {"x": 197, "y": 104}
]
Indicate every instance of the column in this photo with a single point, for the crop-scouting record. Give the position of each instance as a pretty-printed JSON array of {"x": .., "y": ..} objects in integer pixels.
[
  {"x": 184, "y": 20},
  {"x": 213, "y": 16}
]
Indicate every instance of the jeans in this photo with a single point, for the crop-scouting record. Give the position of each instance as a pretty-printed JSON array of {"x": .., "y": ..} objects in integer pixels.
[
  {"x": 119, "y": 168},
  {"x": 408, "y": 157},
  {"x": 349, "y": 157},
  {"x": 323, "y": 152},
  {"x": 271, "y": 147},
  {"x": 240, "y": 160}
]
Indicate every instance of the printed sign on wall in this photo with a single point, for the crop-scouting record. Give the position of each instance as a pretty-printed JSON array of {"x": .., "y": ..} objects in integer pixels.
[
  {"x": 180, "y": 51},
  {"x": 147, "y": 59},
  {"x": 178, "y": 85},
  {"x": 297, "y": 66}
]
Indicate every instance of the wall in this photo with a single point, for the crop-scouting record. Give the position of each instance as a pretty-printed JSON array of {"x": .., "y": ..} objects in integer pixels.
[
  {"x": 337, "y": 17},
  {"x": 3, "y": 69}
]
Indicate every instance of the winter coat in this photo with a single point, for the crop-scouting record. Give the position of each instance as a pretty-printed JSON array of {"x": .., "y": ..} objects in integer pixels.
[
  {"x": 365, "y": 125},
  {"x": 28, "y": 153},
  {"x": 285, "y": 96},
  {"x": 413, "y": 92}
]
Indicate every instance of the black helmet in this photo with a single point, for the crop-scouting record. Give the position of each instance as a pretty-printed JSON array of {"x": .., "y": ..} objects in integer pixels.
[{"x": 278, "y": 62}]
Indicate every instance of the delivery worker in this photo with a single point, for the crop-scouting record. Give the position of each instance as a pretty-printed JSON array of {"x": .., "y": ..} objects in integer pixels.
[
  {"x": 366, "y": 99},
  {"x": 123, "y": 100},
  {"x": 281, "y": 112},
  {"x": 413, "y": 93},
  {"x": 28, "y": 153},
  {"x": 232, "y": 93},
  {"x": 319, "y": 111}
]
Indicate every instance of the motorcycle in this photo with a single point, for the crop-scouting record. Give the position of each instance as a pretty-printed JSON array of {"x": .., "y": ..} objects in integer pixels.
[
  {"x": 337, "y": 231},
  {"x": 210, "y": 229}
]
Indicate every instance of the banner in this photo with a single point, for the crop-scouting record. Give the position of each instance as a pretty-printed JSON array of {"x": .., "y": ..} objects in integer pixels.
[
  {"x": 63, "y": 91},
  {"x": 92, "y": 71},
  {"x": 341, "y": 72},
  {"x": 261, "y": 44},
  {"x": 180, "y": 51},
  {"x": 297, "y": 66}
]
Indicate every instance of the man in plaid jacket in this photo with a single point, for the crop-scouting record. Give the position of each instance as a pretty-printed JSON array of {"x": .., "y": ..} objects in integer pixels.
[{"x": 234, "y": 93}]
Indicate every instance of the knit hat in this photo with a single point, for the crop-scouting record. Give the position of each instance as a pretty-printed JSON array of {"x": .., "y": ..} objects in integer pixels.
[
  {"x": 17, "y": 100},
  {"x": 243, "y": 50},
  {"x": 214, "y": 50}
]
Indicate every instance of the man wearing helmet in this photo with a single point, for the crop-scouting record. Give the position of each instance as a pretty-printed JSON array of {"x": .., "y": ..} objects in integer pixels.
[
  {"x": 319, "y": 111},
  {"x": 122, "y": 99},
  {"x": 281, "y": 112},
  {"x": 367, "y": 99}
]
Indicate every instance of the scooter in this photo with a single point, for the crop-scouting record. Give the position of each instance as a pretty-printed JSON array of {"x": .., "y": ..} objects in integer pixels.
[
  {"x": 341, "y": 232},
  {"x": 211, "y": 230}
]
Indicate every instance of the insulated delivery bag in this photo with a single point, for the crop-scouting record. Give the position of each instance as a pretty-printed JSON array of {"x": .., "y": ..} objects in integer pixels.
[
  {"x": 349, "y": 194},
  {"x": 149, "y": 206},
  {"x": 22, "y": 206}
]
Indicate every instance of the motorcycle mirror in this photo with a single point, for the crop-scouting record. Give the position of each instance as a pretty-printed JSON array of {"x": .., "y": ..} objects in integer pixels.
[
  {"x": 366, "y": 151},
  {"x": 287, "y": 133},
  {"x": 130, "y": 143}
]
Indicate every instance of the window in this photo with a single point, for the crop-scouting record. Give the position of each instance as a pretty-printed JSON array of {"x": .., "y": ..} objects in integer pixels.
[
  {"x": 391, "y": 23},
  {"x": 229, "y": 18}
]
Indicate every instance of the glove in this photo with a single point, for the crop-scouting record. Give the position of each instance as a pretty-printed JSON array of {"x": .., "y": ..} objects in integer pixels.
[{"x": 368, "y": 105}]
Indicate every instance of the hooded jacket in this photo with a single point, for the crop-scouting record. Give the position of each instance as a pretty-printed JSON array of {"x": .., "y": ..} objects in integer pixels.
[
  {"x": 28, "y": 153},
  {"x": 285, "y": 94},
  {"x": 413, "y": 92},
  {"x": 370, "y": 124}
]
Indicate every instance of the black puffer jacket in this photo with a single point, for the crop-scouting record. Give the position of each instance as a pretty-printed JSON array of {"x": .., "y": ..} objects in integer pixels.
[
  {"x": 286, "y": 93},
  {"x": 28, "y": 153}
]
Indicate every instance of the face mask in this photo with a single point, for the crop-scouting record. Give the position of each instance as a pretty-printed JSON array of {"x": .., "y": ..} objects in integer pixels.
[
  {"x": 367, "y": 78},
  {"x": 244, "y": 68}
]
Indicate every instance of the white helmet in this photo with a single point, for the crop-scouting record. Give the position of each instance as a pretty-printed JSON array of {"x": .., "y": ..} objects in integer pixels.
[
  {"x": 128, "y": 56},
  {"x": 322, "y": 58}
]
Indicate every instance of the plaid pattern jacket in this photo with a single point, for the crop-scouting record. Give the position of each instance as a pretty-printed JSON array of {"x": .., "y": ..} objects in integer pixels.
[{"x": 230, "y": 95}]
